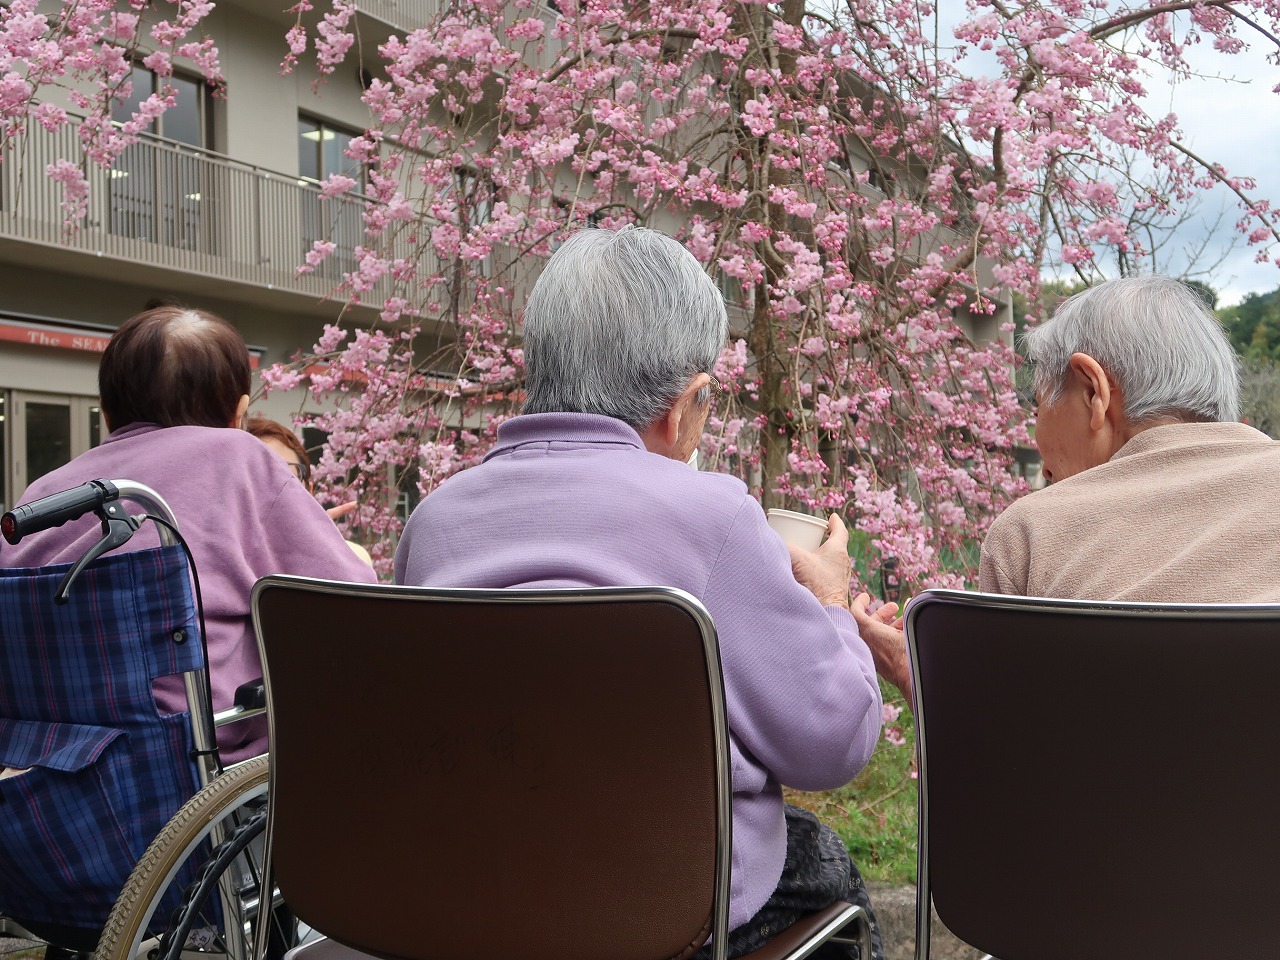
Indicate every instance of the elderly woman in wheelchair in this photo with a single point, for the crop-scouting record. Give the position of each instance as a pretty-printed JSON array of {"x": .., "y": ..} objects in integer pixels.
[
  {"x": 590, "y": 487},
  {"x": 106, "y": 707}
]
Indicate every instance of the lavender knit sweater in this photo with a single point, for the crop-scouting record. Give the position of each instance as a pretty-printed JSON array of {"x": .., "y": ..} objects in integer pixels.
[{"x": 575, "y": 500}]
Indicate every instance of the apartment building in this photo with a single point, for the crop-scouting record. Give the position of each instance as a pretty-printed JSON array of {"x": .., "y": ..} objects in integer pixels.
[{"x": 215, "y": 208}]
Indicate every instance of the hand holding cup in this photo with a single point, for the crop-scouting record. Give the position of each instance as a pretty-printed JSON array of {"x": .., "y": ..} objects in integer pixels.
[
  {"x": 797, "y": 529},
  {"x": 825, "y": 569}
]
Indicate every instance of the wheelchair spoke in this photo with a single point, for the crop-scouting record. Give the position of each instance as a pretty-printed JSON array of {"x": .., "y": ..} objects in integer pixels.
[{"x": 205, "y": 874}]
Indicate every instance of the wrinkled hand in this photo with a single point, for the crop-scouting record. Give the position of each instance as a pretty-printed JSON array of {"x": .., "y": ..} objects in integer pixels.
[
  {"x": 882, "y": 633},
  {"x": 825, "y": 572},
  {"x": 341, "y": 510}
]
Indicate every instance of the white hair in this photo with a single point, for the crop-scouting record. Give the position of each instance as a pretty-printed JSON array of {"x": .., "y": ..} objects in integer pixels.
[
  {"x": 617, "y": 324},
  {"x": 1155, "y": 336}
]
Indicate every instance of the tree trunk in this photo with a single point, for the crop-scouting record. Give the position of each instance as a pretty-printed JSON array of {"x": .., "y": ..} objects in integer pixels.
[{"x": 775, "y": 437}]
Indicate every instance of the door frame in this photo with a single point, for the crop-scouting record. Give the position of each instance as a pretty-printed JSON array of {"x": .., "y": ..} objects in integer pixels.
[{"x": 80, "y": 409}]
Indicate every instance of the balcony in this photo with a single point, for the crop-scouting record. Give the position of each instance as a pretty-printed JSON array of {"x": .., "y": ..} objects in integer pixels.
[
  {"x": 407, "y": 15},
  {"x": 402, "y": 14},
  {"x": 173, "y": 207}
]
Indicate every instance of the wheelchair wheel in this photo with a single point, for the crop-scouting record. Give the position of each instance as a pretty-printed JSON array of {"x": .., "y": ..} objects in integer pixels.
[
  {"x": 233, "y": 872},
  {"x": 219, "y": 833}
]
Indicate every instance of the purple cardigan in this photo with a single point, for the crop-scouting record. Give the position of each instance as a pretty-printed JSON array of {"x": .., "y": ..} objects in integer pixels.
[
  {"x": 575, "y": 500},
  {"x": 244, "y": 515}
]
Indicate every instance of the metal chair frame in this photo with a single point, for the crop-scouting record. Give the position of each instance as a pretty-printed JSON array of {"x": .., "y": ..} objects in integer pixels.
[
  {"x": 1036, "y": 831},
  {"x": 203, "y": 721},
  {"x": 276, "y": 600}
]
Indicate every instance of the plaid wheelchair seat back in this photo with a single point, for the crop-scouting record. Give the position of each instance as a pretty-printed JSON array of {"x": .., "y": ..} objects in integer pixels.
[{"x": 102, "y": 771}]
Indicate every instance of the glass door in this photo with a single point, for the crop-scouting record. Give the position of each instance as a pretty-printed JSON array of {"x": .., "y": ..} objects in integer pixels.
[{"x": 40, "y": 432}]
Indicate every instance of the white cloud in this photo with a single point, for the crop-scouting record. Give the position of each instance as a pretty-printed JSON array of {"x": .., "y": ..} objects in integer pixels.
[{"x": 1229, "y": 115}]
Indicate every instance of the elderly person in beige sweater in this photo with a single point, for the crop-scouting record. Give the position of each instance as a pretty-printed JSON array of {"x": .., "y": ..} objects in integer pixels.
[{"x": 1156, "y": 492}]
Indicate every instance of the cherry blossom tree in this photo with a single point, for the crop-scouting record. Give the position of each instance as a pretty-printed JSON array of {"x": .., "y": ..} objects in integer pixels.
[
  {"x": 84, "y": 50},
  {"x": 869, "y": 186}
]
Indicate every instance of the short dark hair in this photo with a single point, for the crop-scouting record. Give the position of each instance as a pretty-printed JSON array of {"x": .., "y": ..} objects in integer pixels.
[
  {"x": 173, "y": 366},
  {"x": 265, "y": 429}
]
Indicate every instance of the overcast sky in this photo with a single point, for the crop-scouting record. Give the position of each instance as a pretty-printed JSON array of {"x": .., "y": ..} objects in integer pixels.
[
  {"x": 1230, "y": 116},
  {"x": 1236, "y": 122}
]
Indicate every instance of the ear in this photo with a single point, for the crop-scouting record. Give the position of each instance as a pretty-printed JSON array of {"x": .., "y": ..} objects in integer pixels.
[
  {"x": 687, "y": 401},
  {"x": 663, "y": 434},
  {"x": 1094, "y": 388},
  {"x": 242, "y": 408}
]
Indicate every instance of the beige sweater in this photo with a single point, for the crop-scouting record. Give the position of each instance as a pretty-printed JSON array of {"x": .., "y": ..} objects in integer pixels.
[{"x": 1183, "y": 513}]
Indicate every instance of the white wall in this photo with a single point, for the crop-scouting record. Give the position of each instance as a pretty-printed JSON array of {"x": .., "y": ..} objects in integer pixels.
[
  {"x": 65, "y": 296},
  {"x": 257, "y": 123}
]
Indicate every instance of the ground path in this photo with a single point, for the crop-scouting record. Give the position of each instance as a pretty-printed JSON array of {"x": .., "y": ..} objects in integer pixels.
[{"x": 895, "y": 908}]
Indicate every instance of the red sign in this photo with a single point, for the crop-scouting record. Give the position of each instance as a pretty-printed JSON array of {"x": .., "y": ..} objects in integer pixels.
[
  {"x": 61, "y": 339},
  {"x": 65, "y": 338}
]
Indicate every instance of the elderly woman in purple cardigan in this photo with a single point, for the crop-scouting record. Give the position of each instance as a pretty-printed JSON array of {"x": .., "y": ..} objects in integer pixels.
[
  {"x": 175, "y": 386},
  {"x": 590, "y": 486}
]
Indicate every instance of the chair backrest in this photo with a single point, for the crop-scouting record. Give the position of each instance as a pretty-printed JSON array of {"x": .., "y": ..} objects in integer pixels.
[
  {"x": 525, "y": 773},
  {"x": 105, "y": 771},
  {"x": 1097, "y": 778}
]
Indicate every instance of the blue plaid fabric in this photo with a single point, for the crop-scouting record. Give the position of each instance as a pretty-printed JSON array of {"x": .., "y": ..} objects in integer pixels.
[{"x": 106, "y": 770}]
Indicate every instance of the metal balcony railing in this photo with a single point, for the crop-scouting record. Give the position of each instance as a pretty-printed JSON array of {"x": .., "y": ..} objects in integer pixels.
[
  {"x": 407, "y": 15},
  {"x": 402, "y": 14},
  {"x": 168, "y": 205}
]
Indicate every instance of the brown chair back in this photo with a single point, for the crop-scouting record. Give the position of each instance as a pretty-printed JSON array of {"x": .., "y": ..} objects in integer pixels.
[
  {"x": 496, "y": 773},
  {"x": 1097, "y": 778}
]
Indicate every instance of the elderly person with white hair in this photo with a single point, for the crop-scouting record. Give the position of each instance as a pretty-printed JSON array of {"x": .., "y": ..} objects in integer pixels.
[
  {"x": 1156, "y": 492},
  {"x": 589, "y": 486}
]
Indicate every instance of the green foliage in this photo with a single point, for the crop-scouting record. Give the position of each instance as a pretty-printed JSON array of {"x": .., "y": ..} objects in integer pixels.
[
  {"x": 865, "y": 559},
  {"x": 1052, "y": 293},
  {"x": 1253, "y": 325},
  {"x": 1260, "y": 395},
  {"x": 876, "y": 813},
  {"x": 1206, "y": 292}
]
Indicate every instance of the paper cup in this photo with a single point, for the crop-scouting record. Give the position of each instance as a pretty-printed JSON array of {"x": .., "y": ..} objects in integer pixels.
[{"x": 798, "y": 529}]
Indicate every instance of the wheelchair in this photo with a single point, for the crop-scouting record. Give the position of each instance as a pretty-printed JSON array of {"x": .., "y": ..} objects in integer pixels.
[{"x": 121, "y": 834}]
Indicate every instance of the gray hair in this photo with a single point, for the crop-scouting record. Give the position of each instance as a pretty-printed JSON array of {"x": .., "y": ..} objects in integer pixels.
[
  {"x": 617, "y": 325},
  {"x": 1158, "y": 339}
]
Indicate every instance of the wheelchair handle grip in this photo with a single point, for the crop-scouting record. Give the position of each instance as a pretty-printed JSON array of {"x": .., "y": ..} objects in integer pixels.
[{"x": 56, "y": 509}]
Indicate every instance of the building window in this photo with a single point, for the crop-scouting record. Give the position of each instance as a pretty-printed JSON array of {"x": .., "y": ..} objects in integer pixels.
[
  {"x": 187, "y": 121},
  {"x": 159, "y": 188},
  {"x": 322, "y": 152},
  {"x": 881, "y": 180}
]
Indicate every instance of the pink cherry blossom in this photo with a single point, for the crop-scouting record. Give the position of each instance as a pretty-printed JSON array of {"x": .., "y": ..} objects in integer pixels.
[{"x": 869, "y": 189}]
